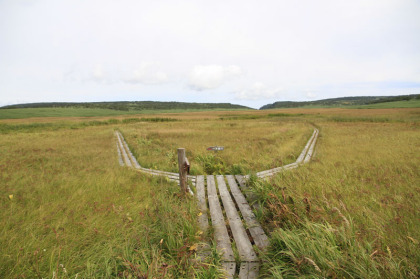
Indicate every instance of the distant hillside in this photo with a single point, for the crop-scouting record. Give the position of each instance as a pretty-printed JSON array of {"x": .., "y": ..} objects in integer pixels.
[
  {"x": 343, "y": 102},
  {"x": 131, "y": 106}
]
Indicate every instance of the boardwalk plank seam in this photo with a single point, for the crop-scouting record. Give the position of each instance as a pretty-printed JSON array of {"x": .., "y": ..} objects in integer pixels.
[
  {"x": 244, "y": 246},
  {"x": 202, "y": 203},
  {"x": 254, "y": 227},
  {"x": 218, "y": 222},
  {"x": 120, "y": 159},
  {"x": 125, "y": 156}
]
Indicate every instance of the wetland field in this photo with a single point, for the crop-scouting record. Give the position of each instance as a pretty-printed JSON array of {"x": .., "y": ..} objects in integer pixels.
[{"x": 69, "y": 210}]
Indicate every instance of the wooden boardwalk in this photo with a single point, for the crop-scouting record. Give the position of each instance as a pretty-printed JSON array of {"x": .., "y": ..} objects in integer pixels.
[
  {"x": 233, "y": 222},
  {"x": 304, "y": 157},
  {"x": 126, "y": 158},
  {"x": 238, "y": 235}
]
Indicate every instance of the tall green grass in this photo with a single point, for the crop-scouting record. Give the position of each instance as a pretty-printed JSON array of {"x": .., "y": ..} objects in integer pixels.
[
  {"x": 6, "y": 128},
  {"x": 22, "y": 113},
  {"x": 249, "y": 145},
  {"x": 352, "y": 212},
  {"x": 68, "y": 210},
  {"x": 414, "y": 103}
]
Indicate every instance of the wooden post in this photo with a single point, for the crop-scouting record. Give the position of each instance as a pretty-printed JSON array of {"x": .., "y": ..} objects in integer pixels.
[{"x": 182, "y": 170}]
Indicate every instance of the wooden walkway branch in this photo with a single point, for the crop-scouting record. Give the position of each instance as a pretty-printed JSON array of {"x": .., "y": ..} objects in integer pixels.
[
  {"x": 131, "y": 161},
  {"x": 236, "y": 230},
  {"x": 304, "y": 157}
]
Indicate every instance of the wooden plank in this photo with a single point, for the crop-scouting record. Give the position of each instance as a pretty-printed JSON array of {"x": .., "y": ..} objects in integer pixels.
[
  {"x": 218, "y": 222},
  {"x": 286, "y": 167},
  {"x": 311, "y": 149},
  {"x": 305, "y": 149},
  {"x": 254, "y": 227},
  {"x": 202, "y": 204},
  {"x": 243, "y": 244},
  {"x": 130, "y": 155},
  {"x": 156, "y": 172},
  {"x": 167, "y": 174},
  {"x": 229, "y": 268},
  {"x": 250, "y": 196},
  {"x": 125, "y": 156},
  {"x": 172, "y": 178},
  {"x": 203, "y": 250},
  {"x": 275, "y": 171},
  {"x": 249, "y": 270},
  {"x": 137, "y": 165},
  {"x": 120, "y": 159},
  {"x": 149, "y": 171},
  {"x": 242, "y": 182},
  {"x": 161, "y": 172}
]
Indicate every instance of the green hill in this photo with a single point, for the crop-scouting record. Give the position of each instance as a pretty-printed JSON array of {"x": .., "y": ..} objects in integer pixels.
[
  {"x": 100, "y": 109},
  {"x": 371, "y": 101},
  {"x": 131, "y": 106}
]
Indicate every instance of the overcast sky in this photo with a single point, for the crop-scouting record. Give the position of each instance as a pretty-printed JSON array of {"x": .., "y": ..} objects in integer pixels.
[{"x": 243, "y": 52}]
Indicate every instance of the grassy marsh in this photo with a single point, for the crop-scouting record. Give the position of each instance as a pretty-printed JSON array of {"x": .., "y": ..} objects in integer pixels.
[
  {"x": 353, "y": 212},
  {"x": 249, "y": 146},
  {"x": 68, "y": 209}
]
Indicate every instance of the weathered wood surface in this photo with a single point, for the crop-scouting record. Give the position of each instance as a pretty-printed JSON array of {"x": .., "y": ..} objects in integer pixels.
[
  {"x": 249, "y": 270},
  {"x": 254, "y": 227},
  {"x": 218, "y": 221},
  {"x": 311, "y": 149},
  {"x": 275, "y": 170},
  {"x": 242, "y": 183},
  {"x": 120, "y": 159},
  {"x": 128, "y": 151},
  {"x": 244, "y": 246},
  {"x": 304, "y": 158},
  {"x": 229, "y": 268},
  {"x": 249, "y": 267},
  {"x": 154, "y": 172},
  {"x": 203, "y": 221},
  {"x": 170, "y": 175},
  {"x": 202, "y": 204},
  {"x": 305, "y": 150},
  {"x": 124, "y": 153},
  {"x": 131, "y": 161}
]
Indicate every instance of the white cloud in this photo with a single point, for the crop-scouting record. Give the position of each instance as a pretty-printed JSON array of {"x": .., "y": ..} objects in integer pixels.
[
  {"x": 310, "y": 95},
  {"x": 283, "y": 44},
  {"x": 259, "y": 91},
  {"x": 147, "y": 73},
  {"x": 212, "y": 76},
  {"x": 98, "y": 73}
]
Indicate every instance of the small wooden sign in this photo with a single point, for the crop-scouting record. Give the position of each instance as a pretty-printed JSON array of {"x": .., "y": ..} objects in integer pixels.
[{"x": 215, "y": 148}]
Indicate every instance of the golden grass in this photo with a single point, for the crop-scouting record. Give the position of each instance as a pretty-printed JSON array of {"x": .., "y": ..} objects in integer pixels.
[
  {"x": 365, "y": 173},
  {"x": 249, "y": 145},
  {"x": 63, "y": 191},
  {"x": 69, "y": 210}
]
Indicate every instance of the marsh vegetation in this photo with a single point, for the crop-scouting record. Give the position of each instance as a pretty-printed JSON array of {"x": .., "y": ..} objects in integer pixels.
[{"x": 69, "y": 210}]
